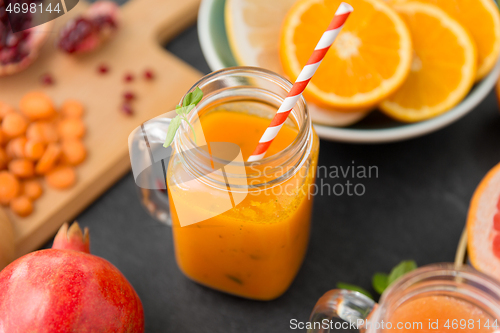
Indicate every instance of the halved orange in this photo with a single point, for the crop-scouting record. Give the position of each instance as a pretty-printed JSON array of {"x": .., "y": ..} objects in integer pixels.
[
  {"x": 253, "y": 30},
  {"x": 443, "y": 69},
  {"x": 481, "y": 19},
  {"x": 369, "y": 60},
  {"x": 483, "y": 225}
]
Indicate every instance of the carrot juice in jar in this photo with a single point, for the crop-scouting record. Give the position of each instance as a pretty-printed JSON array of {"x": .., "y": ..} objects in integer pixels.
[{"x": 256, "y": 233}]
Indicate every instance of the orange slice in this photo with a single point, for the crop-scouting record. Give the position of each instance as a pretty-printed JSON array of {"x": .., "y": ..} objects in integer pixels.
[
  {"x": 483, "y": 225},
  {"x": 481, "y": 19},
  {"x": 253, "y": 30},
  {"x": 443, "y": 67},
  {"x": 369, "y": 60}
]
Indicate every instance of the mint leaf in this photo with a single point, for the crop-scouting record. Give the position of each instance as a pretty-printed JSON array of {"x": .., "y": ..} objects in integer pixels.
[
  {"x": 190, "y": 101},
  {"x": 188, "y": 108},
  {"x": 196, "y": 96},
  {"x": 187, "y": 99},
  {"x": 401, "y": 269},
  {"x": 172, "y": 129},
  {"x": 342, "y": 285},
  {"x": 380, "y": 282},
  {"x": 193, "y": 97}
]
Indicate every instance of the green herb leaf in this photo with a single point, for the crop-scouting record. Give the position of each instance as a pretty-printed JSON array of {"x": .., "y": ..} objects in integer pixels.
[
  {"x": 401, "y": 269},
  {"x": 188, "y": 108},
  {"x": 380, "y": 282},
  {"x": 196, "y": 96},
  {"x": 187, "y": 99},
  {"x": 190, "y": 101},
  {"x": 342, "y": 285},
  {"x": 193, "y": 97},
  {"x": 172, "y": 129}
]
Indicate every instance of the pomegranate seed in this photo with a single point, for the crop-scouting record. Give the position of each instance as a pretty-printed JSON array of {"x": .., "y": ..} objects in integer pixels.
[
  {"x": 128, "y": 78},
  {"x": 47, "y": 79},
  {"x": 127, "y": 109},
  {"x": 103, "y": 69},
  {"x": 129, "y": 96},
  {"x": 149, "y": 75}
]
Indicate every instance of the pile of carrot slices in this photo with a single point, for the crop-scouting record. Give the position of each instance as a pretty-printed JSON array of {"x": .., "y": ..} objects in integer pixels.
[{"x": 37, "y": 141}]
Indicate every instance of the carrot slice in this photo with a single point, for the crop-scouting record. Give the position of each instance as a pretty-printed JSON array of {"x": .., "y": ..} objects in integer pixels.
[
  {"x": 15, "y": 147},
  {"x": 34, "y": 150},
  {"x": 22, "y": 206},
  {"x": 43, "y": 131},
  {"x": 14, "y": 124},
  {"x": 4, "y": 109},
  {"x": 49, "y": 159},
  {"x": 9, "y": 187},
  {"x": 36, "y": 105},
  {"x": 32, "y": 189},
  {"x": 71, "y": 128},
  {"x": 74, "y": 151},
  {"x": 22, "y": 168},
  {"x": 72, "y": 109},
  {"x": 61, "y": 178}
]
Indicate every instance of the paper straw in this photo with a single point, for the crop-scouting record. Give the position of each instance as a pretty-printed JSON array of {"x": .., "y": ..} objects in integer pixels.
[{"x": 300, "y": 84}]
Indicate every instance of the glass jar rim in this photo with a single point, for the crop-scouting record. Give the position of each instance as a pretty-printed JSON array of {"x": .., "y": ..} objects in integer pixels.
[
  {"x": 300, "y": 144},
  {"x": 465, "y": 276},
  {"x": 253, "y": 70}
]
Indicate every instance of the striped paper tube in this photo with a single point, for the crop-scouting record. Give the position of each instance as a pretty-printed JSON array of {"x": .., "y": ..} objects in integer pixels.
[{"x": 300, "y": 84}]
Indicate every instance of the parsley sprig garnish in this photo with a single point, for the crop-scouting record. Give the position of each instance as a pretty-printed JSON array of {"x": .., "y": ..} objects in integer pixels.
[{"x": 190, "y": 101}]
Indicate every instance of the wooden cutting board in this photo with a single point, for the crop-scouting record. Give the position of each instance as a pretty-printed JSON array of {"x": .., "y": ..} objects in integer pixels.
[{"x": 145, "y": 25}]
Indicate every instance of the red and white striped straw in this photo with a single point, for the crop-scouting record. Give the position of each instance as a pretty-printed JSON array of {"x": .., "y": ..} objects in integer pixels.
[{"x": 300, "y": 84}]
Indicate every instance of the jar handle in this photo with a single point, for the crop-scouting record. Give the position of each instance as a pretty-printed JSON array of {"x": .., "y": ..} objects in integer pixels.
[
  {"x": 149, "y": 161},
  {"x": 350, "y": 306}
]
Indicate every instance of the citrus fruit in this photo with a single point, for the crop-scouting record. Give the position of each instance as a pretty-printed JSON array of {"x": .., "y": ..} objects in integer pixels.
[
  {"x": 483, "y": 225},
  {"x": 481, "y": 19},
  {"x": 369, "y": 60},
  {"x": 443, "y": 68},
  {"x": 328, "y": 117},
  {"x": 253, "y": 29}
]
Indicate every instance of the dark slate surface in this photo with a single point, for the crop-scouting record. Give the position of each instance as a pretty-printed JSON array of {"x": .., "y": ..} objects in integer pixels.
[{"x": 415, "y": 209}]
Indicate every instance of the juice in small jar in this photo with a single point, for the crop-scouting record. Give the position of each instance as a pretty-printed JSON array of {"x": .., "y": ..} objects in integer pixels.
[
  {"x": 438, "y": 298},
  {"x": 441, "y": 314},
  {"x": 256, "y": 248}
]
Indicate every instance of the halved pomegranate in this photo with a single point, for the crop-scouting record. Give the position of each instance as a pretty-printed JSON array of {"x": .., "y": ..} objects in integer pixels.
[
  {"x": 90, "y": 30},
  {"x": 18, "y": 50}
]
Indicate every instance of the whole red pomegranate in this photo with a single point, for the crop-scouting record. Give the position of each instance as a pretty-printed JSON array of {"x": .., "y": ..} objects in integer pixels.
[{"x": 66, "y": 289}]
